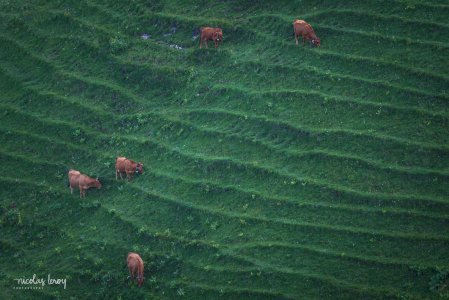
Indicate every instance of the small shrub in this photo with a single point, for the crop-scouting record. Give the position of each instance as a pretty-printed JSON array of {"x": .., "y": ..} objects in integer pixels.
[
  {"x": 180, "y": 292},
  {"x": 214, "y": 226},
  {"x": 440, "y": 281},
  {"x": 79, "y": 135},
  {"x": 153, "y": 279},
  {"x": 11, "y": 217},
  {"x": 141, "y": 119},
  {"x": 117, "y": 44}
]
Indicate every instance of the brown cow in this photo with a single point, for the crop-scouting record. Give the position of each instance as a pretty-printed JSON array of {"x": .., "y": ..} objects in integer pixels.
[
  {"x": 82, "y": 182},
  {"x": 210, "y": 33},
  {"x": 304, "y": 29},
  {"x": 124, "y": 165},
  {"x": 135, "y": 267}
]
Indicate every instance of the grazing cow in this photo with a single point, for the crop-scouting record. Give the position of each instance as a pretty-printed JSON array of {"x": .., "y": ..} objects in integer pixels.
[
  {"x": 124, "y": 165},
  {"x": 209, "y": 33},
  {"x": 135, "y": 267},
  {"x": 82, "y": 182},
  {"x": 304, "y": 29}
]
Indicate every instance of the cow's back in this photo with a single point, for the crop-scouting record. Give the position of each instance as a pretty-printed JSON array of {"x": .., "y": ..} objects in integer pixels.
[
  {"x": 84, "y": 180},
  {"x": 299, "y": 26},
  {"x": 208, "y": 32},
  {"x": 134, "y": 260},
  {"x": 74, "y": 177},
  {"x": 120, "y": 164},
  {"x": 130, "y": 166},
  {"x": 303, "y": 28},
  {"x": 131, "y": 262}
]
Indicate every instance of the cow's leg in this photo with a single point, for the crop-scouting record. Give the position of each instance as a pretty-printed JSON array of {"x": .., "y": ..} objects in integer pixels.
[
  {"x": 140, "y": 271},
  {"x": 296, "y": 39},
  {"x": 303, "y": 39},
  {"x": 131, "y": 275},
  {"x": 116, "y": 174},
  {"x": 82, "y": 191},
  {"x": 71, "y": 190},
  {"x": 133, "y": 272},
  {"x": 201, "y": 42}
]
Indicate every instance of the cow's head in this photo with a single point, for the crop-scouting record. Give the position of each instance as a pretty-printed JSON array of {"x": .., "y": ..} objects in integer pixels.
[
  {"x": 97, "y": 183},
  {"x": 316, "y": 42},
  {"x": 139, "y": 168},
  {"x": 218, "y": 36}
]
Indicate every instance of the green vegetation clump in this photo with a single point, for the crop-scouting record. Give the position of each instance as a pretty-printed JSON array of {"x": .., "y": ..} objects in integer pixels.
[
  {"x": 117, "y": 44},
  {"x": 439, "y": 282}
]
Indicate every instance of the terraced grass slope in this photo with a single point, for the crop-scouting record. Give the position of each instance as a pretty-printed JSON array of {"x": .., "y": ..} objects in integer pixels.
[{"x": 272, "y": 171}]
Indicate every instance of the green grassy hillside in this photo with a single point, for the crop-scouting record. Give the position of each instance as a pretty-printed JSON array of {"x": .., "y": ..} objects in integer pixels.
[{"x": 271, "y": 170}]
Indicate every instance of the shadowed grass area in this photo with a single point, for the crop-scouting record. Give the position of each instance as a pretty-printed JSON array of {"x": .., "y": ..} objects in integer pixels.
[{"x": 271, "y": 171}]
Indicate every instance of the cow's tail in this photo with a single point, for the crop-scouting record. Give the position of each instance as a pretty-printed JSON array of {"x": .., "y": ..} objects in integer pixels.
[
  {"x": 140, "y": 271},
  {"x": 67, "y": 170}
]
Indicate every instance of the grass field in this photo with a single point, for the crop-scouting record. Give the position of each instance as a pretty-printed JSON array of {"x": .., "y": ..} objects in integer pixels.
[{"x": 271, "y": 171}]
